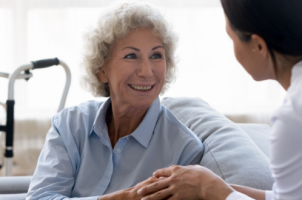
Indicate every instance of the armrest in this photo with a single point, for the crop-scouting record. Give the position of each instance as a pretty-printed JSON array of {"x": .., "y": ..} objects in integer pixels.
[
  {"x": 21, "y": 196},
  {"x": 14, "y": 184}
]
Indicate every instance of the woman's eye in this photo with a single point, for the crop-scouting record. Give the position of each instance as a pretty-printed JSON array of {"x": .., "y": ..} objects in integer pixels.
[
  {"x": 156, "y": 56},
  {"x": 130, "y": 56}
]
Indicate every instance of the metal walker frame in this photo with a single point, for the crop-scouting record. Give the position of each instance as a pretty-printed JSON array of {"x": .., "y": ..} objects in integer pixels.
[{"x": 9, "y": 127}]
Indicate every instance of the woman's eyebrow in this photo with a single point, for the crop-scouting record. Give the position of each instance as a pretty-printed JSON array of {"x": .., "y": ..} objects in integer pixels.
[
  {"x": 136, "y": 49},
  {"x": 157, "y": 47}
]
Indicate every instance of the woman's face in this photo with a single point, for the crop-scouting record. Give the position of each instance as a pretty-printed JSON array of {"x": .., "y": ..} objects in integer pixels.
[
  {"x": 252, "y": 55},
  {"x": 136, "y": 69}
]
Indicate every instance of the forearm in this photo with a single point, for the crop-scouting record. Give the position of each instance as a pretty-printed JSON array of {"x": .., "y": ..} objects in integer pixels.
[
  {"x": 119, "y": 195},
  {"x": 58, "y": 197},
  {"x": 251, "y": 192},
  {"x": 113, "y": 196}
]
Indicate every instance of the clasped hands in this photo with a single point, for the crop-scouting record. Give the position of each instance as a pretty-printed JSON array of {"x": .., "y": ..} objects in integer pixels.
[
  {"x": 186, "y": 182},
  {"x": 177, "y": 183}
]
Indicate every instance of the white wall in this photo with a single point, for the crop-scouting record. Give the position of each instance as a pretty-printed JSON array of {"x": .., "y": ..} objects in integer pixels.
[{"x": 38, "y": 29}]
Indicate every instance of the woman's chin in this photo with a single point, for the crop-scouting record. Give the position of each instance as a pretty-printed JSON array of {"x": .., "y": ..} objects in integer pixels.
[
  {"x": 143, "y": 102},
  {"x": 260, "y": 78},
  {"x": 142, "y": 98},
  {"x": 139, "y": 102}
]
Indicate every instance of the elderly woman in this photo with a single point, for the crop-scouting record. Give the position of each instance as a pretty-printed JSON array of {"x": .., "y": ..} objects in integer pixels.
[{"x": 108, "y": 150}]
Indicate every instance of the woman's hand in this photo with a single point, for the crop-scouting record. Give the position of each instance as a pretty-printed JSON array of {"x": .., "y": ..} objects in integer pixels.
[
  {"x": 130, "y": 193},
  {"x": 190, "y": 182}
]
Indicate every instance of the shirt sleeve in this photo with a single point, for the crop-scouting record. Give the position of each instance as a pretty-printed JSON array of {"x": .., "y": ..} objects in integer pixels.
[
  {"x": 54, "y": 175},
  {"x": 269, "y": 195},
  {"x": 192, "y": 153},
  {"x": 238, "y": 196},
  {"x": 286, "y": 158}
]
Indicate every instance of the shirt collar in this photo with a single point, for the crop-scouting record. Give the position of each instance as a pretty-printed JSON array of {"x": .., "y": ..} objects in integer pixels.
[
  {"x": 142, "y": 133},
  {"x": 99, "y": 124},
  {"x": 296, "y": 72}
]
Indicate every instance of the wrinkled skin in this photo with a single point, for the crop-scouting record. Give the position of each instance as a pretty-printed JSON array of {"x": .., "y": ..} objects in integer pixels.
[{"x": 189, "y": 182}]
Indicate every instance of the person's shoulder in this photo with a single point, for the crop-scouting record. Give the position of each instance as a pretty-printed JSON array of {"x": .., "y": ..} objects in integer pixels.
[
  {"x": 74, "y": 124},
  {"x": 85, "y": 109},
  {"x": 76, "y": 120},
  {"x": 291, "y": 109},
  {"x": 174, "y": 128}
]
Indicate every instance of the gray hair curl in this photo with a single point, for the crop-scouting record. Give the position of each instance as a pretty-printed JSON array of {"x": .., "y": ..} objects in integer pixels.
[{"x": 116, "y": 24}]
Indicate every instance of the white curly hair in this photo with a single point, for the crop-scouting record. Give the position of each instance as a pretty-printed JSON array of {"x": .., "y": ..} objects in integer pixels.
[{"x": 116, "y": 24}]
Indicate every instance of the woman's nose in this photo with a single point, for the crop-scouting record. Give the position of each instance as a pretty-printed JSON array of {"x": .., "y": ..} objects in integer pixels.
[{"x": 145, "y": 69}]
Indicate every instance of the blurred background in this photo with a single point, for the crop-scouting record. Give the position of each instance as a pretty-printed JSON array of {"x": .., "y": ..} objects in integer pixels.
[{"x": 39, "y": 29}]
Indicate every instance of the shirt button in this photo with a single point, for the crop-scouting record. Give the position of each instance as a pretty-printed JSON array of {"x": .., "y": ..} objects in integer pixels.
[
  {"x": 118, "y": 150},
  {"x": 127, "y": 138}
]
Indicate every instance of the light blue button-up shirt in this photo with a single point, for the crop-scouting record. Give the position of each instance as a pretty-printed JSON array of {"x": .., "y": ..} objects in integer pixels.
[{"x": 77, "y": 159}]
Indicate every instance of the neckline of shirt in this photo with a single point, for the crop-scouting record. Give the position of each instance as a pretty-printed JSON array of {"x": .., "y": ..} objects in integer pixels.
[{"x": 142, "y": 133}]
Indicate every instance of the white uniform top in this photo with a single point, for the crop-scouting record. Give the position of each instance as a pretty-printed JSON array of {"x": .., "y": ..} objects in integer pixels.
[{"x": 286, "y": 145}]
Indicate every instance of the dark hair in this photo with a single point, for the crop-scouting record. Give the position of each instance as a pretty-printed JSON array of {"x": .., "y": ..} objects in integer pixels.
[{"x": 278, "y": 22}]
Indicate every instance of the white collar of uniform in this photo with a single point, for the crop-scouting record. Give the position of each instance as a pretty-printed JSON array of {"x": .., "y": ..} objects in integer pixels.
[{"x": 296, "y": 72}]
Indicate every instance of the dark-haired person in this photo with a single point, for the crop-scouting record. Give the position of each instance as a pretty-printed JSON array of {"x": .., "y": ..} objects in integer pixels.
[{"x": 267, "y": 37}]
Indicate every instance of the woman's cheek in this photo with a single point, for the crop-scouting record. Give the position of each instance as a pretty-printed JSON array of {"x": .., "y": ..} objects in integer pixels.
[
  {"x": 239, "y": 54},
  {"x": 236, "y": 52}
]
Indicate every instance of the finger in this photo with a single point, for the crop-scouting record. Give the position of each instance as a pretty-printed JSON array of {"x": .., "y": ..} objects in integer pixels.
[
  {"x": 152, "y": 179},
  {"x": 147, "y": 182},
  {"x": 154, "y": 187},
  {"x": 162, "y": 194},
  {"x": 165, "y": 172}
]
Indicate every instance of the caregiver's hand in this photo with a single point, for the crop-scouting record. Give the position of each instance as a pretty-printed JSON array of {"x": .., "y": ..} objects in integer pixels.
[
  {"x": 129, "y": 194},
  {"x": 190, "y": 182}
]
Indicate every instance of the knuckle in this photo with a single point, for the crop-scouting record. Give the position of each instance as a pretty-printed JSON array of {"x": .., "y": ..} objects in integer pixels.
[
  {"x": 175, "y": 167},
  {"x": 158, "y": 194},
  {"x": 173, "y": 178},
  {"x": 143, "y": 190},
  {"x": 155, "y": 185}
]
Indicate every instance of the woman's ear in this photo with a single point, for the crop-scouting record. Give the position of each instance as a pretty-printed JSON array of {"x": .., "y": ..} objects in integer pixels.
[
  {"x": 102, "y": 75},
  {"x": 259, "y": 46}
]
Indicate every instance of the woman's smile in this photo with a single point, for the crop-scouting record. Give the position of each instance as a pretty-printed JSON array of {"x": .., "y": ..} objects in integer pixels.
[{"x": 142, "y": 88}]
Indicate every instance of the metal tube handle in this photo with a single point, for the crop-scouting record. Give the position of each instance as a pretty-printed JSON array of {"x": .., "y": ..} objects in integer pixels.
[
  {"x": 67, "y": 85},
  {"x": 4, "y": 75},
  {"x": 38, "y": 64}
]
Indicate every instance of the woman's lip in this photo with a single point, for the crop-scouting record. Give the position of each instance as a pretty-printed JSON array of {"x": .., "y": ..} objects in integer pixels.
[
  {"x": 152, "y": 86},
  {"x": 142, "y": 85}
]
